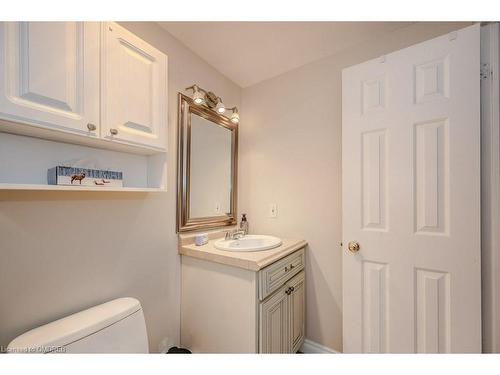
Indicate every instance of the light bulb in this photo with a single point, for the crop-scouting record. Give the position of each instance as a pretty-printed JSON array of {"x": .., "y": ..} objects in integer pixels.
[
  {"x": 220, "y": 107},
  {"x": 235, "y": 117},
  {"x": 198, "y": 96}
]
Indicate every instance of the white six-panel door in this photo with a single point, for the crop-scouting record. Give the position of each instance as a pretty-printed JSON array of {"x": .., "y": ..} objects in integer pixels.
[
  {"x": 411, "y": 185},
  {"x": 50, "y": 75}
]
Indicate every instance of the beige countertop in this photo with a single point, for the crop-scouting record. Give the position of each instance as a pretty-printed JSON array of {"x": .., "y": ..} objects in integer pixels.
[{"x": 251, "y": 260}]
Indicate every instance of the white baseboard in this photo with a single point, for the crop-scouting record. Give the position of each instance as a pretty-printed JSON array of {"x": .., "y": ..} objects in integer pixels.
[{"x": 311, "y": 347}]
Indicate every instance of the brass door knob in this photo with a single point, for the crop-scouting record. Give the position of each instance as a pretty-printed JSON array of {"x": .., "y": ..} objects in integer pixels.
[{"x": 353, "y": 247}]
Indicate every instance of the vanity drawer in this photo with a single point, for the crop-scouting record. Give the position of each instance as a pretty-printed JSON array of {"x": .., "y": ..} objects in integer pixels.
[{"x": 275, "y": 275}]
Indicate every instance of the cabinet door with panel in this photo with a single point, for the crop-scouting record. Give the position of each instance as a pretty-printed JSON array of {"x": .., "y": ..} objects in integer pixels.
[
  {"x": 50, "y": 75},
  {"x": 274, "y": 323},
  {"x": 134, "y": 89},
  {"x": 297, "y": 311}
]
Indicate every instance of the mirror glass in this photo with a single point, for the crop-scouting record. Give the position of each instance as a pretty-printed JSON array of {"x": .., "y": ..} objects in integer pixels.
[{"x": 210, "y": 169}]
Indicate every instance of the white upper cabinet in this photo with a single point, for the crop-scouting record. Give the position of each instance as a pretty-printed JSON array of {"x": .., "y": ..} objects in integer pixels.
[
  {"x": 50, "y": 75},
  {"x": 74, "y": 81},
  {"x": 133, "y": 89}
]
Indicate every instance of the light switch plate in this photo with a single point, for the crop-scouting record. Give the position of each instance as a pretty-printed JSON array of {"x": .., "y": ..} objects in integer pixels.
[{"x": 273, "y": 210}]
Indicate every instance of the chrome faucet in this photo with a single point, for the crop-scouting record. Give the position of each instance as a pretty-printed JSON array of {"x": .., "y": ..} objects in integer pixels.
[{"x": 235, "y": 234}]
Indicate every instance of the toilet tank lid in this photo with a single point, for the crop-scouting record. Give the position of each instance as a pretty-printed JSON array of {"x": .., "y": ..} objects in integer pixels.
[{"x": 74, "y": 327}]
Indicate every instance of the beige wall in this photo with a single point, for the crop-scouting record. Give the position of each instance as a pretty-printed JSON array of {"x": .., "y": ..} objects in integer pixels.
[
  {"x": 61, "y": 252},
  {"x": 290, "y": 154}
]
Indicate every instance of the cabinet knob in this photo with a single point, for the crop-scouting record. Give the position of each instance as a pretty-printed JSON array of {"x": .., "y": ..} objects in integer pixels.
[
  {"x": 291, "y": 266},
  {"x": 289, "y": 290},
  {"x": 91, "y": 127},
  {"x": 113, "y": 131}
]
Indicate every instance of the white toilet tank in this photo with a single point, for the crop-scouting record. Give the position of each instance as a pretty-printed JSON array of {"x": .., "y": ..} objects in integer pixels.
[{"x": 114, "y": 327}]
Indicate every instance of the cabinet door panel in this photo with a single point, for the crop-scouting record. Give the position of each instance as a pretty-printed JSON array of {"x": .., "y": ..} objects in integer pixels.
[
  {"x": 50, "y": 74},
  {"x": 297, "y": 312},
  {"x": 274, "y": 318},
  {"x": 134, "y": 89}
]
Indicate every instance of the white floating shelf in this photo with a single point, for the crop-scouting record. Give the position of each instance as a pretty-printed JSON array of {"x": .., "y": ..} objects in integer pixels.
[{"x": 4, "y": 186}]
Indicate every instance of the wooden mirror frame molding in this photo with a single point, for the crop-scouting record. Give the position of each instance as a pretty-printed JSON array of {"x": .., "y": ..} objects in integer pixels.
[{"x": 186, "y": 108}]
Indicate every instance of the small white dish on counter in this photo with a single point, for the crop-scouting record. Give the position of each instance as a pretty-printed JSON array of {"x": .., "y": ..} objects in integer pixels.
[
  {"x": 252, "y": 242},
  {"x": 201, "y": 239}
]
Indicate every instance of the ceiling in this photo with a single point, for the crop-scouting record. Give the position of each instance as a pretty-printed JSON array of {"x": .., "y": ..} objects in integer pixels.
[{"x": 250, "y": 52}]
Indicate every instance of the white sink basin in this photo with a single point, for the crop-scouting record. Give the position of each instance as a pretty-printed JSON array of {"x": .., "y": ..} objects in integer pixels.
[{"x": 251, "y": 242}]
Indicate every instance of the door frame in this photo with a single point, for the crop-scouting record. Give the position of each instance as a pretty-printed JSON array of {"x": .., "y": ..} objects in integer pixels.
[{"x": 490, "y": 186}]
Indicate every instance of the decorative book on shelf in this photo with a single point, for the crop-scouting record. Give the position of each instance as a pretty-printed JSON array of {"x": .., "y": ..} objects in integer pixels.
[{"x": 61, "y": 175}]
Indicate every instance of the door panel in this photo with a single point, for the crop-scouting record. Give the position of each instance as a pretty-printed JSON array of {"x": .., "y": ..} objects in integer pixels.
[
  {"x": 297, "y": 312},
  {"x": 49, "y": 77},
  {"x": 431, "y": 181},
  {"x": 374, "y": 192},
  {"x": 432, "y": 311},
  {"x": 274, "y": 323},
  {"x": 375, "y": 311},
  {"x": 50, "y": 74},
  {"x": 411, "y": 175},
  {"x": 134, "y": 89}
]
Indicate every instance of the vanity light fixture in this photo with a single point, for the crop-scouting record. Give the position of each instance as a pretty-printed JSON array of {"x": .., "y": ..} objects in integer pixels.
[
  {"x": 198, "y": 96},
  {"x": 212, "y": 101},
  {"x": 220, "y": 106},
  {"x": 235, "y": 117}
]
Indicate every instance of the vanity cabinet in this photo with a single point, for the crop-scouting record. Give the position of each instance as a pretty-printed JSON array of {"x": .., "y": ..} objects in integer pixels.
[
  {"x": 134, "y": 89},
  {"x": 228, "y": 309},
  {"x": 50, "y": 75}
]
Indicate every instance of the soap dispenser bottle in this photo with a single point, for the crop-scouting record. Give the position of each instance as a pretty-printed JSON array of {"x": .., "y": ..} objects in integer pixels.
[{"x": 244, "y": 223}]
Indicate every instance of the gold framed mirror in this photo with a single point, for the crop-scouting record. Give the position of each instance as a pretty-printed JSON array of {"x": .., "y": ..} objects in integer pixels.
[{"x": 207, "y": 151}]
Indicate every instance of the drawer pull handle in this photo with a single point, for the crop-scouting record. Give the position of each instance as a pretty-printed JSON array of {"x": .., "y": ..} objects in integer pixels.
[
  {"x": 288, "y": 269},
  {"x": 289, "y": 290}
]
